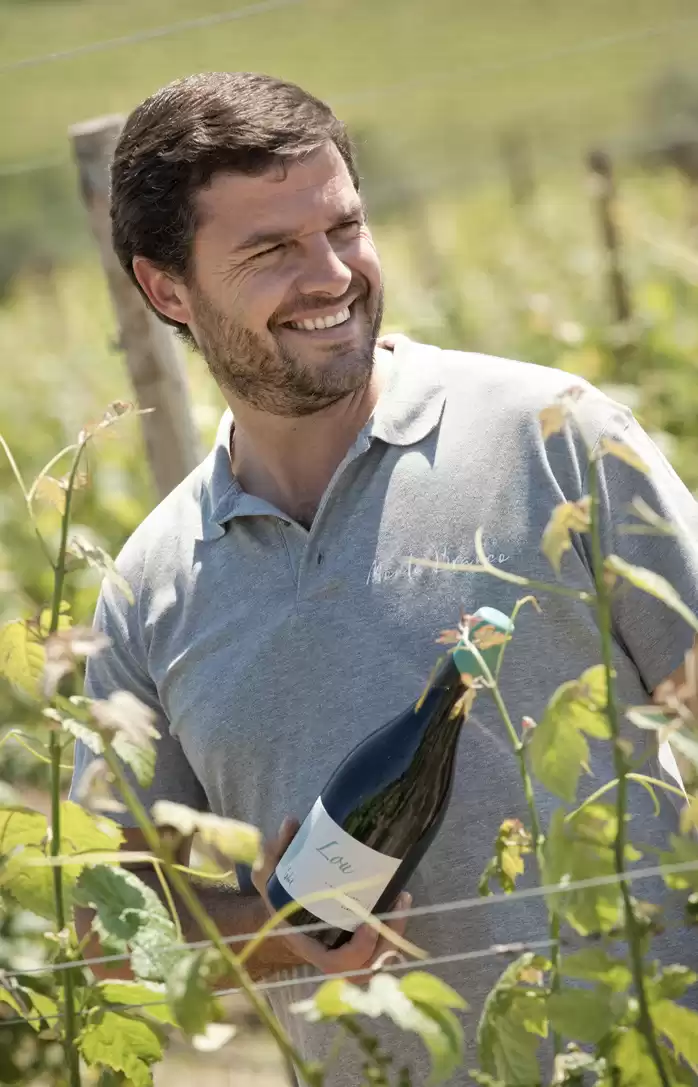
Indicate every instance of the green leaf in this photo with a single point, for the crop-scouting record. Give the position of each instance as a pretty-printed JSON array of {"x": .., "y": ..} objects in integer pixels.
[
  {"x": 670, "y": 983},
  {"x": 566, "y": 518},
  {"x": 683, "y": 851},
  {"x": 584, "y": 1015},
  {"x": 21, "y": 657},
  {"x": 595, "y": 964},
  {"x": 123, "y": 1044},
  {"x": 233, "y": 840},
  {"x": 557, "y": 750},
  {"x": 44, "y": 1006},
  {"x": 507, "y": 1049},
  {"x": 6, "y": 997},
  {"x": 150, "y": 997},
  {"x": 445, "y": 1046},
  {"x": 82, "y": 832},
  {"x": 420, "y": 986},
  {"x": 189, "y": 989},
  {"x": 631, "y": 1062},
  {"x": 579, "y": 850},
  {"x": 130, "y": 913},
  {"x": 652, "y": 584},
  {"x": 484, "y": 1079},
  {"x": 680, "y": 1026},
  {"x": 98, "y": 559},
  {"x": 513, "y": 842}
]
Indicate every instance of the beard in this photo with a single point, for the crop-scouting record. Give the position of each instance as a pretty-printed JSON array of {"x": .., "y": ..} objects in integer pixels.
[{"x": 273, "y": 377}]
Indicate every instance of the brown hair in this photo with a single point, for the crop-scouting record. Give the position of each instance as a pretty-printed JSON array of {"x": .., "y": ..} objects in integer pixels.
[{"x": 175, "y": 142}]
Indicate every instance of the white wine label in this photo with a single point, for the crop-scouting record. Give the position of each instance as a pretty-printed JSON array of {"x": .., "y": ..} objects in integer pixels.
[{"x": 322, "y": 857}]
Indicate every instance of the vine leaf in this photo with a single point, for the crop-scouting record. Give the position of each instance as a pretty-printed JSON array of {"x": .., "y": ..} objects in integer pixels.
[
  {"x": 189, "y": 989},
  {"x": 23, "y": 841},
  {"x": 96, "y": 557},
  {"x": 129, "y": 725},
  {"x": 224, "y": 839},
  {"x": 512, "y": 1019},
  {"x": 432, "y": 1018},
  {"x": 21, "y": 657},
  {"x": 566, "y": 518},
  {"x": 63, "y": 650},
  {"x": 130, "y": 914},
  {"x": 670, "y": 983},
  {"x": 50, "y": 490},
  {"x": 623, "y": 452},
  {"x": 149, "y": 997},
  {"x": 512, "y": 843},
  {"x": 595, "y": 964},
  {"x": 557, "y": 749},
  {"x": 587, "y": 1015},
  {"x": 652, "y": 584},
  {"x": 577, "y": 850},
  {"x": 680, "y": 1026},
  {"x": 124, "y": 1044},
  {"x": 631, "y": 1063},
  {"x": 683, "y": 851}
]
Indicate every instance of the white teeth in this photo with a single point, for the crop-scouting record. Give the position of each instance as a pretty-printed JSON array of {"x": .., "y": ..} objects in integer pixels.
[{"x": 311, "y": 324}]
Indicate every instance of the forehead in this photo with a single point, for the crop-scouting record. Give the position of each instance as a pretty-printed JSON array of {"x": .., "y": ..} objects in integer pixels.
[{"x": 299, "y": 195}]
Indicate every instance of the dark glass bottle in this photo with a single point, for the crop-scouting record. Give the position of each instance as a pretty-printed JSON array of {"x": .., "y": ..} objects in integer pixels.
[{"x": 381, "y": 809}]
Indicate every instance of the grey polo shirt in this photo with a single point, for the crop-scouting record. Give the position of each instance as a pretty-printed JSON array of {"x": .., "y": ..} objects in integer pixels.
[{"x": 268, "y": 651}]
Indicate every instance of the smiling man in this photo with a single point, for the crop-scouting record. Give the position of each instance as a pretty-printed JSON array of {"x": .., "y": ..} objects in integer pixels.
[{"x": 276, "y": 620}]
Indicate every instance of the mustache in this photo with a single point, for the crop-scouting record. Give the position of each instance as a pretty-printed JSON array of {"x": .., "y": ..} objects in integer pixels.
[{"x": 311, "y": 302}]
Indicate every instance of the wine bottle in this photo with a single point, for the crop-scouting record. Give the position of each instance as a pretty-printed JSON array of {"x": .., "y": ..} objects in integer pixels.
[{"x": 383, "y": 806}]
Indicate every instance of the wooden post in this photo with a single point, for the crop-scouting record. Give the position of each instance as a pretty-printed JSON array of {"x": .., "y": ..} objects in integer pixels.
[
  {"x": 154, "y": 360},
  {"x": 603, "y": 188}
]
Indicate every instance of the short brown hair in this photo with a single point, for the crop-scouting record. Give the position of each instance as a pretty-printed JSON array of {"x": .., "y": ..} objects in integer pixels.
[{"x": 175, "y": 142}]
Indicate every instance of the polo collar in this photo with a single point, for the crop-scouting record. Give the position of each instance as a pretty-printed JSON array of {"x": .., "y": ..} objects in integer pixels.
[{"x": 408, "y": 409}]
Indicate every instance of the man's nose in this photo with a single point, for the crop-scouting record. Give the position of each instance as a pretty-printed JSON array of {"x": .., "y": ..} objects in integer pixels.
[{"x": 322, "y": 271}]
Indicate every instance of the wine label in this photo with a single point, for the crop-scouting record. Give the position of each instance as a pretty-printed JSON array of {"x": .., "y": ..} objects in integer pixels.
[{"x": 323, "y": 857}]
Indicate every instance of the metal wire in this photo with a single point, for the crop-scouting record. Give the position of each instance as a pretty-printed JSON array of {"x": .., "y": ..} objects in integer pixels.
[
  {"x": 203, "y": 22},
  {"x": 475, "y": 902},
  {"x": 495, "y": 950}
]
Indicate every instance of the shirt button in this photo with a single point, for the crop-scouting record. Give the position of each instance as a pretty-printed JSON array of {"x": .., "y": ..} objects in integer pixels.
[{"x": 320, "y": 558}]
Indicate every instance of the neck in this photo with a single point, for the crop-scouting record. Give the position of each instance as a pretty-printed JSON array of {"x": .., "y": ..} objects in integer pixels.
[{"x": 289, "y": 461}]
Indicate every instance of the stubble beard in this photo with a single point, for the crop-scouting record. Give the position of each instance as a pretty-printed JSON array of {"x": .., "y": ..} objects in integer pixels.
[{"x": 274, "y": 380}]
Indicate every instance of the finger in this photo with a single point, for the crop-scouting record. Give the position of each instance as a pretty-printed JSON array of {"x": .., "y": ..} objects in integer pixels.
[{"x": 272, "y": 852}]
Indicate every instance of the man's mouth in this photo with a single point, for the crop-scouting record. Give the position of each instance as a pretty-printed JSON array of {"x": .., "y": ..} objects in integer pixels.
[{"x": 329, "y": 319}]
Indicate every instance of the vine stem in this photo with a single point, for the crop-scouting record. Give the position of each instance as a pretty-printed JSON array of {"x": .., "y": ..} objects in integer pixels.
[
  {"x": 632, "y": 931},
  {"x": 72, "y": 1055},
  {"x": 182, "y": 888},
  {"x": 529, "y": 794}
]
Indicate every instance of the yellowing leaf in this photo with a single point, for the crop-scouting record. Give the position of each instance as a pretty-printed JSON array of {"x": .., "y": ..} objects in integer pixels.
[
  {"x": 513, "y": 842},
  {"x": 48, "y": 489},
  {"x": 652, "y": 584},
  {"x": 130, "y": 725},
  {"x": 566, "y": 518},
  {"x": 124, "y": 1044},
  {"x": 623, "y": 452},
  {"x": 21, "y": 657},
  {"x": 552, "y": 420},
  {"x": 234, "y": 840},
  {"x": 557, "y": 749},
  {"x": 507, "y": 1046}
]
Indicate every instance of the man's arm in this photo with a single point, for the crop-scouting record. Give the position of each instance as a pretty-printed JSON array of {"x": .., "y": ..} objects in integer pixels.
[
  {"x": 679, "y": 693},
  {"x": 233, "y": 914}
]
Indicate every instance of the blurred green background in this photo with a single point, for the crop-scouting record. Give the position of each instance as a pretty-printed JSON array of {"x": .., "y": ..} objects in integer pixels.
[{"x": 474, "y": 123}]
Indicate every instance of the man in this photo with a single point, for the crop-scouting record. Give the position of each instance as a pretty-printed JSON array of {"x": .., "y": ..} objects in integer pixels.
[{"x": 277, "y": 620}]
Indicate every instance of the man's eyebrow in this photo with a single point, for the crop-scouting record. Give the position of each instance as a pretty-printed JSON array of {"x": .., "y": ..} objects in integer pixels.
[{"x": 261, "y": 238}]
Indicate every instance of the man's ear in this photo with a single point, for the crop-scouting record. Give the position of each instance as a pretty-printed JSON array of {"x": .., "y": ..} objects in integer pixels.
[{"x": 168, "y": 295}]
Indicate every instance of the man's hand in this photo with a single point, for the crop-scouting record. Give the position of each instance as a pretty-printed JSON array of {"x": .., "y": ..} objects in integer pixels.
[{"x": 359, "y": 953}]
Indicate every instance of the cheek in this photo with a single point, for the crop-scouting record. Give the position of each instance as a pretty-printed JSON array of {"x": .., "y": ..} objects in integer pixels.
[{"x": 366, "y": 258}]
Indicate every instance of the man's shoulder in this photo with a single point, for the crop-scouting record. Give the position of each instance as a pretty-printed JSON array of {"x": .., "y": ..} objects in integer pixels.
[{"x": 512, "y": 392}]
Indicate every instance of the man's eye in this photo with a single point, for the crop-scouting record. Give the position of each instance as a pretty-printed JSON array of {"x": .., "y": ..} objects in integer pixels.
[
  {"x": 348, "y": 229},
  {"x": 270, "y": 249}
]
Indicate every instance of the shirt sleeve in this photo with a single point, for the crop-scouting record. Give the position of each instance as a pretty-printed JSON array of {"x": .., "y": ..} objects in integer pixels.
[
  {"x": 655, "y": 637},
  {"x": 118, "y": 668}
]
